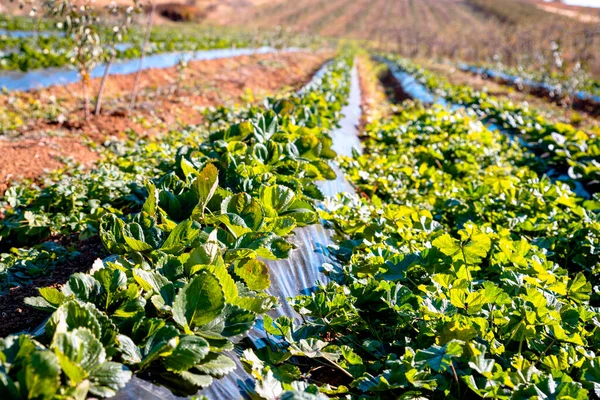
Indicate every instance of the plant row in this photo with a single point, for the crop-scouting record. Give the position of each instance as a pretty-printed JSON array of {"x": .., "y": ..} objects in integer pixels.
[
  {"x": 458, "y": 273},
  {"x": 563, "y": 150},
  {"x": 70, "y": 202},
  {"x": 187, "y": 277},
  {"x": 560, "y": 82},
  {"x": 67, "y": 205},
  {"x": 56, "y": 51}
]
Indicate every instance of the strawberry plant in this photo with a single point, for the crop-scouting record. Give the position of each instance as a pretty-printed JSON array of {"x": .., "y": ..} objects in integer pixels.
[
  {"x": 565, "y": 152},
  {"x": 458, "y": 273},
  {"x": 72, "y": 202},
  {"x": 187, "y": 274}
]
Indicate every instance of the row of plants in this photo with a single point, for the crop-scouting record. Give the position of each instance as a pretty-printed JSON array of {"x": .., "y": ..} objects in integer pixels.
[
  {"x": 85, "y": 38},
  {"x": 42, "y": 220},
  {"x": 67, "y": 205},
  {"x": 458, "y": 272},
  {"x": 22, "y": 23},
  {"x": 187, "y": 276},
  {"x": 564, "y": 151},
  {"x": 51, "y": 47},
  {"x": 561, "y": 83},
  {"x": 31, "y": 53}
]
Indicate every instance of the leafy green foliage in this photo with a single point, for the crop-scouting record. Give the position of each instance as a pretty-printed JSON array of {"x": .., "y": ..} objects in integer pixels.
[
  {"x": 73, "y": 202},
  {"x": 460, "y": 274},
  {"x": 75, "y": 355},
  {"x": 186, "y": 276},
  {"x": 564, "y": 151}
]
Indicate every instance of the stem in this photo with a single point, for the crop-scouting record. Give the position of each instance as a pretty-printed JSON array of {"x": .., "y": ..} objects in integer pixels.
[
  {"x": 146, "y": 39},
  {"x": 335, "y": 365},
  {"x": 103, "y": 83},
  {"x": 520, "y": 345},
  {"x": 37, "y": 25},
  {"x": 545, "y": 351},
  {"x": 86, "y": 96}
]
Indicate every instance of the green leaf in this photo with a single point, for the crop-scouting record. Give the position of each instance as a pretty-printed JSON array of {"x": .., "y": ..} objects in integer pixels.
[
  {"x": 180, "y": 237},
  {"x": 228, "y": 285},
  {"x": 267, "y": 386},
  {"x": 52, "y": 296},
  {"x": 199, "y": 381},
  {"x": 72, "y": 315},
  {"x": 471, "y": 250},
  {"x": 187, "y": 168},
  {"x": 246, "y": 207},
  {"x": 447, "y": 245},
  {"x": 283, "y": 226},
  {"x": 107, "y": 379},
  {"x": 255, "y": 274},
  {"x": 79, "y": 353},
  {"x": 112, "y": 283},
  {"x": 190, "y": 351},
  {"x": 160, "y": 344},
  {"x": 130, "y": 353},
  {"x": 579, "y": 289},
  {"x": 50, "y": 300},
  {"x": 237, "y": 321},
  {"x": 150, "y": 281},
  {"x": 217, "y": 365},
  {"x": 591, "y": 374},
  {"x": 472, "y": 302},
  {"x": 438, "y": 358},
  {"x": 41, "y": 375},
  {"x": 206, "y": 254},
  {"x": 8, "y": 387},
  {"x": 134, "y": 236},
  {"x": 482, "y": 365},
  {"x": 205, "y": 186},
  {"x": 303, "y": 212},
  {"x": 83, "y": 287},
  {"x": 477, "y": 248},
  {"x": 276, "y": 198},
  {"x": 199, "y": 302},
  {"x": 257, "y": 305},
  {"x": 151, "y": 202}
]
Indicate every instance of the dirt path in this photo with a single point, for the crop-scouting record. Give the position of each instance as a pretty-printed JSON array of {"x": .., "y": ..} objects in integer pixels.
[
  {"x": 571, "y": 13},
  {"x": 164, "y": 104},
  {"x": 374, "y": 105}
]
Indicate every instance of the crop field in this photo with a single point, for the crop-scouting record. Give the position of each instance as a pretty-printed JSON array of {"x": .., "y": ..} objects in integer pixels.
[
  {"x": 512, "y": 31},
  {"x": 300, "y": 199}
]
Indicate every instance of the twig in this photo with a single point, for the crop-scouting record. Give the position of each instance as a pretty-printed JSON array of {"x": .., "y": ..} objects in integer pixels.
[{"x": 143, "y": 55}]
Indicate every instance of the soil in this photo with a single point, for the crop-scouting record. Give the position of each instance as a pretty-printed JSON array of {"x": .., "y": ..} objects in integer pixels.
[
  {"x": 32, "y": 157},
  {"x": 374, "y": 104},
  {"x": 583, "y": 14},
  {"x": 163, "y": 104},
  {"x": 393, "y": 87},
  {"x": 15, "y": 316}
]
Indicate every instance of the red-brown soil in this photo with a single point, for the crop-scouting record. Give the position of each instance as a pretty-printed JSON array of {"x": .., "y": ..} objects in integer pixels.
[
  {"x": 374, "y": 104},
  {"x": 15, "y": 316}
]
